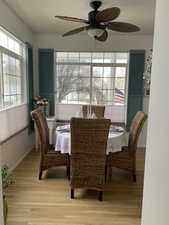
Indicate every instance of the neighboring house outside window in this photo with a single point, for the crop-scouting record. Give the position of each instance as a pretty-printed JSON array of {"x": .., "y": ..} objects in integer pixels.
[{"x": 12, "y": 70}]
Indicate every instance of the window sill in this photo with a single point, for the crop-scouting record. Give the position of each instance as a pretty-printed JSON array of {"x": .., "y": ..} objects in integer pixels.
[
  {"x": 12, "y": 107},
  {"x": 110, "y": 105}
]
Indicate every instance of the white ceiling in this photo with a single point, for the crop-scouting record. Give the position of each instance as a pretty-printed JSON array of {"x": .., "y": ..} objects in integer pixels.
[{"x": 39, "y": 14}]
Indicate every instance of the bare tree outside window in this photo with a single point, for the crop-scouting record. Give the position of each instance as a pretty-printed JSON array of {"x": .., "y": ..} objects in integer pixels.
[{"x": 86, "y": 82}]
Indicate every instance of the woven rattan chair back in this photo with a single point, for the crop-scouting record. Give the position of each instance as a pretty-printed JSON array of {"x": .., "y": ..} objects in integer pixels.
[
  {"x": 88, "y": 152},
  {"x": 135, "y": 130},
  {"x": 45, "y": 124},
  {"x": 43, "y": 131},
  {"x": 97, "y": 109},
  {"x": 49, "y": 157}
]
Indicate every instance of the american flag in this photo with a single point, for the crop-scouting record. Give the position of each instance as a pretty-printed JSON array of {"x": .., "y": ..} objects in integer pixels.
[{"x": 118, "y": 96}]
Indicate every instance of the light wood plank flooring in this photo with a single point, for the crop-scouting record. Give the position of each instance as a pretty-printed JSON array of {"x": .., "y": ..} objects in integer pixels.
[{"x": 47, "y": 202}]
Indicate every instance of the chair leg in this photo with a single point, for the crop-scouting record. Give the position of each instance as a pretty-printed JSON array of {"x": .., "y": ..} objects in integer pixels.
[
  {"x": 134, "y": 178},
  {"x": 40, "y": 175},
  {"x": 109, "y": 173},
  {"x": 100, "y": 195},
  {"x": 68, "y": 172},
  {"x": 72, "y": 193},
  {"x": 105, "y": 174},
  {"x": 134, "y": 170}
]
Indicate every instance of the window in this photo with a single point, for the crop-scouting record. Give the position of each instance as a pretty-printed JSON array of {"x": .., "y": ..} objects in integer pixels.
[
  {"x": 96, "y": 78},
  {"x": 12, "y": 70}
]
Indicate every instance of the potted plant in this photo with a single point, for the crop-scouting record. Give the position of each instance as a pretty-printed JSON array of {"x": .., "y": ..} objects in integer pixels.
[{"x": 6, "y": 182}]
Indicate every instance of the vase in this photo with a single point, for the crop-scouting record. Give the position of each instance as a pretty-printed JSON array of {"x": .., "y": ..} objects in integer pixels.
[
  {"x": 41, "y": 107},
  {"x": 5, "y": 209},
  {"x": 45, "y": 109}
]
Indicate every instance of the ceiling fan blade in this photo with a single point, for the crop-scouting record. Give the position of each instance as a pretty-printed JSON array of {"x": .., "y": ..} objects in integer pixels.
[
  {"x": 73, "y": 19},
  {"x": 108, "y": 14},
  {"x": 76, "y": 31},
  {"x": 103, "y": 37},
  {"x": 122, "y": 27}
]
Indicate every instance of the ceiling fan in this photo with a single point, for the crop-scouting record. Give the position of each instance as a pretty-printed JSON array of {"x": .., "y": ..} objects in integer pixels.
[{"x": 99, "y": 22}]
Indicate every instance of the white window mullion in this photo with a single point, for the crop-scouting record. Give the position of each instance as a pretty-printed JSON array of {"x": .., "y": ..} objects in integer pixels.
[
  {"x": 3, "y": 104},
  {"x": 114, "y": 78},
  {"x": 91, "y": 77},
  {"x": 1, "y": 82},
  {"x": 91, "y": 83},
  {"x": 78, "y": 75},
  {"x": 23, "y": 76}
]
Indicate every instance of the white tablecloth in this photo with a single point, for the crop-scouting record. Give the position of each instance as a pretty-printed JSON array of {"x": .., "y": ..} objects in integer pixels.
[{"x": 115, "y": 141}]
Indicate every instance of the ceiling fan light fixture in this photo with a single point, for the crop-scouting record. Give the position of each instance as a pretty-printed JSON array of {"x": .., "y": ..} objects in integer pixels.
[
  {"x": 99, "y": 22},
  {"x": 95, "y": 32}
]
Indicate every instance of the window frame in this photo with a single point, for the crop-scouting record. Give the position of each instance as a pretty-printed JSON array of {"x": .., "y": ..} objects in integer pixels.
[
  {"x": 92, "y": 64},
  {"x": 22, "y": 59}
]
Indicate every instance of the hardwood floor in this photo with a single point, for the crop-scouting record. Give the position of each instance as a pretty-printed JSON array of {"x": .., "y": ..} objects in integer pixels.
[{"x": 47, "y": 202}]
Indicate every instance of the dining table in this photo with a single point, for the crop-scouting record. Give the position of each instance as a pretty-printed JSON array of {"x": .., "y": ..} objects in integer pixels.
[{"x": 116, "y": 139}]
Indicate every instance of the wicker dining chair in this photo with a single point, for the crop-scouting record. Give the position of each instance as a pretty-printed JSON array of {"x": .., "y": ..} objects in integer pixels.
[
  {"x": 48, "y": 156},
  {"x": 126, "y": 159},
  {"x": 98, "y": 110},
  {"x": 88, "y": 154}
]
